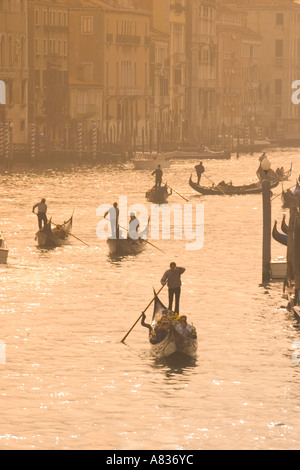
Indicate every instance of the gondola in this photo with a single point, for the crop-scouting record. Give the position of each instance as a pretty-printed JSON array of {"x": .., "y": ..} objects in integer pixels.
[
  {"x": 284, "y": 226},
  {"x": 3, "y": 250},
  {"x": 171, "y": 342},
  {"x": 291, "y": 198},
  {"x": 158, "y": 195},
  {"x": 200, "y": 154},
  {"x": 127, "y": 246},
  {"x": 229, "y": 189},
  {"x": 48, "y": 238},
  {"x": 274, "y": 175},
  {"x": 279, "y": 237}
]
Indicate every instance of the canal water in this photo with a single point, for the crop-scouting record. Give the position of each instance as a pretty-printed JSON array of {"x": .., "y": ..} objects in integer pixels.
[{"x": 67, "y": 380}]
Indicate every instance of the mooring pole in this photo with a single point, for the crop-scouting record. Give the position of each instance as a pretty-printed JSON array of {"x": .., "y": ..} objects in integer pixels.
[{"x": 266, "y": 256}]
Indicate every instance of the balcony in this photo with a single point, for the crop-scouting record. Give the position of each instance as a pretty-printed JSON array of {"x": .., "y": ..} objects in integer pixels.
[
  {"x": 128, "y": 40},
  {"x": 7, "y": 73},
  {"x": 129, "y": 91}
]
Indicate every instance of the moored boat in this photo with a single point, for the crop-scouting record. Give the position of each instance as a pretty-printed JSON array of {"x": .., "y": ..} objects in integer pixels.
[
  {"x": 229, "y": 189},
  {"x": 167, "y": 337},
  {"x": 3, "y": 250},
  {"x": 278, "y": 236},
  {"x": 60, "y": 235},
  {"x": 158, "y": 195},
  {"x": 200, "y": 154},
  {"x": 278, "y": 268},
  {"x": 143, "y": 161}
]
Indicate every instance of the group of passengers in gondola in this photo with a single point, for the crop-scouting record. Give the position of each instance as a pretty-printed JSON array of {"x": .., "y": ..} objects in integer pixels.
[{"x": 173, "y": 278}]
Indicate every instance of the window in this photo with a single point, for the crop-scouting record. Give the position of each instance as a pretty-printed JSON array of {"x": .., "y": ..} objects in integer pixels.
[
  {"x": 37, "y": 78},
  {"x": 37, "y": 17},
  {"x": 279, "y": 19},
  {"x": 278, "y": 86},
  {"x": 86, "y": 25},
  {"x": 279, "y": 48},
  {"x": 22, "y": 125}
]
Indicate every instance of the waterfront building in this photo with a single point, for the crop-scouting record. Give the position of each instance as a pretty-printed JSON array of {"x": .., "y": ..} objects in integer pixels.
[{"x": 14, "y": 68}]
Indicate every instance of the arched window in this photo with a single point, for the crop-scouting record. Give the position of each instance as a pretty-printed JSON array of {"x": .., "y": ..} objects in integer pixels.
[{"x": 2, "y": 92}]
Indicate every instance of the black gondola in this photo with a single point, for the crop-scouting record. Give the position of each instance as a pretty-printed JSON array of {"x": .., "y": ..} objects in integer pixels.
[
  {"x": 279, "y": 237},
  {"x": 170, "y": 341},
  {"x": 48, "y": 238},
  {"x": 229, "y": 189},
  {"x": 158, "y": 195}
]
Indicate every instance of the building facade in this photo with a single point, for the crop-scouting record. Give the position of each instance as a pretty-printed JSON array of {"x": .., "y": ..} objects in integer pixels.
[{"x": 14, "y": 68}]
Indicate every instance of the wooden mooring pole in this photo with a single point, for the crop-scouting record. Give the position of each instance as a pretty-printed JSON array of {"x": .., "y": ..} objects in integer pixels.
[{"x": 266, "y": 256}]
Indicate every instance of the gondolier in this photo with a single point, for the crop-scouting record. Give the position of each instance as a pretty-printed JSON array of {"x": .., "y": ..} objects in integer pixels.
[
  {"x": 173, "y": 276},
  {"x": 114, "y": 220},
  {"x": 158, "y": 176},
  {"x": 42, "y": 211},
  {"x": 199, "y": 169}
]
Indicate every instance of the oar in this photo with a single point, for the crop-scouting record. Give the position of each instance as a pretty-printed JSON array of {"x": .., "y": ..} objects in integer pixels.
[
  {"x": 176, "y": 192},
  {"x": 294, "y": 185},
  {"x": 214, "y": 184},
  {"x": 122, "y": 341},
  {"x": 154, "y": 246},
  {"x": 71, "y": 234}
]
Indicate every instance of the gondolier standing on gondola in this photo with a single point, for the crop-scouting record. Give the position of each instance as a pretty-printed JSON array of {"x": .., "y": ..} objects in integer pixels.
[
  {"x": 158, "y": 176},
  {"x": 114, "y": 220},
  {"x": 173, "y": 276},
  {"x": 42, "y": 211},
  {"x": 199, "y": 169}
]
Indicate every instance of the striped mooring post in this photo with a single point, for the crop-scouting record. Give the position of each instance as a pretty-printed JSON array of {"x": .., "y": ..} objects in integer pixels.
[
  {"x": 1, "y": 140},
  {"x": 32, "y": 141},
  {"x": 6, "y": 142},
  {"x": 94, "y": 140},
  {"x": 247, "y": 135},
  {"x": 79, "y": 139}
]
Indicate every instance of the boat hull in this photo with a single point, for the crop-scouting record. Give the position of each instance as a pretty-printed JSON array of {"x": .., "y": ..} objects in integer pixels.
[
  {"x": 158, "y": 195},
  {"x": 175, "y": 343},
  {"x": 125, "y": 247},
  {"x": 3, "y": 255},
  {"x": 47, "y": 238},
  {"x": 278, "y": 268},
  {"x": 230, "y": 190},
  {"x": 201, "y": 155}
]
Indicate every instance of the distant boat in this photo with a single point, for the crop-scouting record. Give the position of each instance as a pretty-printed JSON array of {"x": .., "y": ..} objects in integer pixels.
[
  {"x": 148, "y": 161},
  {"x": 158, "y": 195},
  {"x": 229, "y": 189},
  {"x": 200, "y": 154},
  {"x": 48, "y": 238},
  {"x": 274, "y": 175},
  {"x": 127, "y": 246},
  {"x": 3, "y": 250}
]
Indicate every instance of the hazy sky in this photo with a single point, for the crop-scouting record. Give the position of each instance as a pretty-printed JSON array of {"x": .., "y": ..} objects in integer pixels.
[{"x": 2, "y": 92}]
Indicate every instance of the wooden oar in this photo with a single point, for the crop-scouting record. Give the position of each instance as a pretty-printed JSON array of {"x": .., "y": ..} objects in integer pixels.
[
  {"x": 154, "y": 246},
  {"x": 176, "y": 192},
  {"x": 122, "y": 341},
  {"x": 294, "y": 185},
  {"x": 215, "y": 185},
  {"x": 70, "y": 234}
]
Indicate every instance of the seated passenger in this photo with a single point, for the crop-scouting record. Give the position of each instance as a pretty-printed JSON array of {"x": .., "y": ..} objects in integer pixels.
[{"x": 184, "y": 328}]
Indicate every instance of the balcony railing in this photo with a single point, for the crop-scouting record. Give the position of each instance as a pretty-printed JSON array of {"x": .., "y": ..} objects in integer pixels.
[
  {"x": 7, "y": 73},
  {"x": 128, "y": 40}
]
